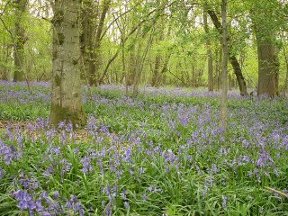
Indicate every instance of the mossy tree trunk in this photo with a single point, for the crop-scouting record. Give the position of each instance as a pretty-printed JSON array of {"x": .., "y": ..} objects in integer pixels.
[
  {"x": 19, "y": 40},
  {"x": 93, "y": 21},
  {"x": 66, "y": 83},
  {"x": 265, "y": 26},
  {"x": 268, "y": 68},
  {"x": 88, "y": 22}
]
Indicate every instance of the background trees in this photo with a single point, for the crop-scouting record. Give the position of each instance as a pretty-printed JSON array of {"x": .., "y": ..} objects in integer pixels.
[{"x": 171, "y": 42}]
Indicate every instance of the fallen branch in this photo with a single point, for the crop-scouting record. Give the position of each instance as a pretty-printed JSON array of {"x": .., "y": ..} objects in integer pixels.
[{"x": 277, "y": 191}]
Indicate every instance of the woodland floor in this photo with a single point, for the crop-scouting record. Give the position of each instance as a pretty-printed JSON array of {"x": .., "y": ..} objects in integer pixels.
[{"x": 160, "y": 153}]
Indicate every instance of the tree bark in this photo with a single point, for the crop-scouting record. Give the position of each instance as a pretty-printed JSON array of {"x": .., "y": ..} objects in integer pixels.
[
  {"x": 156, "y": 71},
  {"x": 232, "y": 58},
  {"x": 66, "y": 83},
  {"x": 268, "y": 68},
  {"x": 225, "y": 51},
  {"x": 19, "y": 40},
  {"x": 88, "y": 22},
  {"x": 265, "y": 28},
  {"x": 95, "y": 75},
  {"x": 286, "y": 76},
  {"x": 209, "y": 53},
  {"x": 91, "y": 37}
]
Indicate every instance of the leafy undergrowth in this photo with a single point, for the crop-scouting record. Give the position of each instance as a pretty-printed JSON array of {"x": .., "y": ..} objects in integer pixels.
[{"x": 154, "y": 155}]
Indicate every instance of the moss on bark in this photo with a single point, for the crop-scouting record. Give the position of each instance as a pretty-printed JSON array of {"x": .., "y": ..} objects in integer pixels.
[{"x": 63, "y": 114}]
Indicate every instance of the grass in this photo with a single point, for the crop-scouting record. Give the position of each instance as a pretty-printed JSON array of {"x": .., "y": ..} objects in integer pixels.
[{"x": 153, "y": 155}]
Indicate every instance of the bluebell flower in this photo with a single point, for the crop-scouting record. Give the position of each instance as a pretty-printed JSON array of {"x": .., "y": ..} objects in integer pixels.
[
  {"x": 264, "y": 159},
  {"x": 86, "y": 163},
  {"x": 25, "y": 200},
  {"x": 75, "y": 205},
  {"x": 2, "y": 173}
]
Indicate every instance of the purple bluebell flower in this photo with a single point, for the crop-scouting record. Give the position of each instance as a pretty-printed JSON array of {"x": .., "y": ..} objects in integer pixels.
[
  {"x": 55, "y": 150},
  {"x": 8, "y": 153},
  {"x": 25, "y": 200},
  {"x": 66, "y": 166},
  {"x": 2, "y": 173},
  {"x": 56, "y": 195},
  {"x": 29, "y": 183},
  {"x": 48, "y": 172},
  {"x": 75, "y": 205},
  {"x": 264, "y": 159},
  {"x": 128, "y": 155},
  {"x": 86, "y": 163}
]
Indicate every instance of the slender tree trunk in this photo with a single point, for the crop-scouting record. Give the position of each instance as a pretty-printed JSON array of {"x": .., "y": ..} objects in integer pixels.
[
  {"x": 225, "y": 51},
  {"x": 4, "y": 59},
  {"x": 233, "y": 60},
  {"x": 66, "y": 82},
  {"x": 164, "y": 68},
  {"x": 209, "y": 52},
  {"x": 140, "y": 61},
  {"x": 218, "y": 69},
  {"x": 95, "y": 75},
  {"x": 156, "y": 71},
  {"x": 19, "y": 40},
  {"x": 286, "y": 77},
  {"x": 131, "y": 67},
  {"x": 156, "y": 76}
]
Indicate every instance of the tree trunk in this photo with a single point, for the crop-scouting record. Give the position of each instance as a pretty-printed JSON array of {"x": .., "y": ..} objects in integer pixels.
[
  {"x": 209, "y": 53},
  {"x": 224, "y": 64},
  {"x": 286, "y": 77},
  {"x": 3, "y": 62},
  {"x": 156, "y": 76},
  {"x": 265, "y": 28},
  {"x": 19, "y": 40},
  {"x": 268, "y": 68},
  {"x": 95, "y": 75},
  {"x": 88, "y": 21},
  {"x": 156, "y": 72},
  {"x": 218, "y": 57},
  {"x": 91, "y": 37},
  {"x": 66, "y": 83},
  {"x": 233, "y": 60}
]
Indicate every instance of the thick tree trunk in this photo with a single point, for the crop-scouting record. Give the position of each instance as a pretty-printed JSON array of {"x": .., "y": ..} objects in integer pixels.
[
  {"x": 66, "y": 83},
  {"x": 209, "y": 53},
  {"x": 268, "y": 68},
  {"x": 19, "y": 40},
  {"x": 265, "y": 28},
  {"x": 233, "y": 60}
]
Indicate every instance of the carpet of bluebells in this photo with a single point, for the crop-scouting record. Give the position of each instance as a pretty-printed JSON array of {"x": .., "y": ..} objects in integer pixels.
[{"x": 162, "y": 153}]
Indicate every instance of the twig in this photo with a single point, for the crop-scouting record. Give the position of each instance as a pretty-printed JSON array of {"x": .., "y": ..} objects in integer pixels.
[{"x": 277, "y": 191}]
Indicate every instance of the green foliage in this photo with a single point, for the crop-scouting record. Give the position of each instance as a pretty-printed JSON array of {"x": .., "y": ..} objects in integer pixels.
[{"x": 141, "y": 146}]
